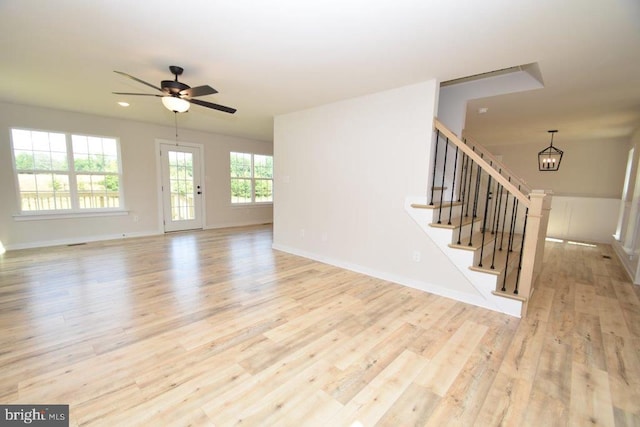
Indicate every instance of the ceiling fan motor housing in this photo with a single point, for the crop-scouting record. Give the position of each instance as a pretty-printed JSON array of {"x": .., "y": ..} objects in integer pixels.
[{"x": 173, "y": 87}]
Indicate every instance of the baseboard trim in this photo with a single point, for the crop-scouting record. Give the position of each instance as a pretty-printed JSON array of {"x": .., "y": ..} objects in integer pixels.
[
  {"x": 79, "y": 240},
  {"x": 623, "y": 257},
  {"x": 235, "y": 224}
]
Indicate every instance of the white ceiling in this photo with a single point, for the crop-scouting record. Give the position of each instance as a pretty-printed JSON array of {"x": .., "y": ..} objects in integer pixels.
[{"x": 272, "y": 57}]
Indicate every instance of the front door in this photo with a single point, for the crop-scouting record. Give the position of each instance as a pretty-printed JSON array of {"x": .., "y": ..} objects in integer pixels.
[{"x": 181, "y": 187}]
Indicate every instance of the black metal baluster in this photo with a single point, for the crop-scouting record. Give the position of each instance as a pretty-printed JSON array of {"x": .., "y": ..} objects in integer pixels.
[
  {"x": 469, "y": 185},
  {"x": 514, "y": 213},
  {"x": 463, "y": 172},
  {"x": 496, "y": 227},
  {"x": 484, "y": 220},
  {"x": 474, "y": 213},
  {"x": 455, "y": 167},
  {"x": 444, "y": 173},
  {"x": 496, "y": 210},
  {"x": 464, "y": 193},
  {"x": 435, "y": 166},
  {"x": 524, "y": 232},
  {"x": 477, "y": 191},
  {"x": 514, "y": 218},
  {"x": 504, "y": 219}
]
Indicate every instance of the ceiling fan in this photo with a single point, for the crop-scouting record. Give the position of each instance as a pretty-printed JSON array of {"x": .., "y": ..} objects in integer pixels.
[{"x": 177, "y": 96}]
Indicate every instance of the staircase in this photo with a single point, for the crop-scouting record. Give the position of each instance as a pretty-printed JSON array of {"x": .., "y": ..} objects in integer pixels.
[{"x": 485, "y": 219}]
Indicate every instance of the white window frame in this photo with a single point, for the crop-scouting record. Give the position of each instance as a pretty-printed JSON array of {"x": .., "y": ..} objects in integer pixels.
[
  {"x": 75, "y": 210},
  {"x": 253, "y": 180}
]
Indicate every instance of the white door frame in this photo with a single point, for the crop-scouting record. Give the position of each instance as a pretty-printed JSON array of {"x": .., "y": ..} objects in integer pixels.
[{"x": 200, "y": 148}]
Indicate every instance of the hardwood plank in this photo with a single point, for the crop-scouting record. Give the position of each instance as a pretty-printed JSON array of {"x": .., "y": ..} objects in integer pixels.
[
  {"x": 524, "y": 351},
  {"x": 226, "y": 406},
  {"x": 586, "y": 298},
  {"x": 287, "y": 397},
  {"x": 307, "y": 410},
  {"x": 625, "y": 419},
  {"x": 544, "y": 410},
  {"x": 506, "y": 403},
  {"x": 553, "y": 376},
  {"x": 623, "y": 367},
  {"x": 629, "y": 303},
  {"x": 588, "y": 347},
  {"x": 447, "y": 364},
  {"x": 368, "y": 406},
  {"x": 347, "y": 383},
  {"x": 319, "y": 314},
  {"x": 590, "y": 397},
  {"x": 413, "y": 408},
  {"x": 464, "y": 398},
  {"x": 612, "y": 320}
]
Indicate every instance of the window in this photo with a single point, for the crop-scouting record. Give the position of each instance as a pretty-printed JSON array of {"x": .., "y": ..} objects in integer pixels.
[
  {"x": 63, "y": 172},
  {"x": 251, "y": 178}
]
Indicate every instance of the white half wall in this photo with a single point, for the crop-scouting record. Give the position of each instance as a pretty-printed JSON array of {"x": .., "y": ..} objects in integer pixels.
[
  {"x": 342, "y": 173},
  {"x": 583, "y": 219}
]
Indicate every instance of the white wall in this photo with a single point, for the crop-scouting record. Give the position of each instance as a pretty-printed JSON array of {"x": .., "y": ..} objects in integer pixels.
[
  {"x": 137, "y": 141},
  {"x": 342, "y": 172}
]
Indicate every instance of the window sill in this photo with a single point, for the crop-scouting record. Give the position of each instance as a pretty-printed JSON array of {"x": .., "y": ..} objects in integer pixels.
[{"x": 67, "y": 215}]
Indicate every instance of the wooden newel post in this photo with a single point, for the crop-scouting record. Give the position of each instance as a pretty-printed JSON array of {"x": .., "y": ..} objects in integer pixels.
[{"x": 533, "y": 250}]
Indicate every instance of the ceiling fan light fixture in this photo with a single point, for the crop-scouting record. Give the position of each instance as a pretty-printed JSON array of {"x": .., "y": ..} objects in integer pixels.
[
  {"x": 175, "y": 104},
  {"x": 177, "y": 96}
]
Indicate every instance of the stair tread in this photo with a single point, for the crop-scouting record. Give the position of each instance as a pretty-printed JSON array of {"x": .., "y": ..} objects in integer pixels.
[
  {"x": 509, "y": 295},
  {"x": 476, "y": 241},
  {"x": 498, "y": 262},
  {"x": 455, "y": 222},
  {"x": 445, "y": 204}
]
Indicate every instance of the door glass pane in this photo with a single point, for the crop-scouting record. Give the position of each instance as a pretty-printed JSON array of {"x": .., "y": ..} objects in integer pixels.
[{"x": 181, "y": 185}]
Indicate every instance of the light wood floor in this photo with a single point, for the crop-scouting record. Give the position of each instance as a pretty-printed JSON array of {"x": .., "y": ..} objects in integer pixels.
[{"x": 216, "y": 328}]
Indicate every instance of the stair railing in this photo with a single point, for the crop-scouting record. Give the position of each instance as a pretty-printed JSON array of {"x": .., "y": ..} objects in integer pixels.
[
  {"x": 497, "y": 164},
  {"x": 513, "y": 219}
]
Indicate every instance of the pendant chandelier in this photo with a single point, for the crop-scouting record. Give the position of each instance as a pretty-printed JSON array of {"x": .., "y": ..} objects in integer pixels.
[{"x": 549, "y": 158}]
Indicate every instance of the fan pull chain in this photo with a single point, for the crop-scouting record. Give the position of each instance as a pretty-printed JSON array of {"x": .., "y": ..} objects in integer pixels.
[{"x": 175, "y": 113}]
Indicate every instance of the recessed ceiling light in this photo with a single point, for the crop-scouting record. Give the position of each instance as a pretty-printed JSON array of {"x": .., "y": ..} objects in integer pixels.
[
  {"x": 123, "y": 104},
  {"x": 482, "y": 110}
]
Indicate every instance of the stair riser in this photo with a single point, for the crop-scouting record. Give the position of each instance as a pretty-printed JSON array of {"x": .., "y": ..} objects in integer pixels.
[
  {"x": 466, "y": 232},
  {"x": 488, "y": 250},
  {"x": 444, "y": 217},
  {"x": 512, "y": 266}
]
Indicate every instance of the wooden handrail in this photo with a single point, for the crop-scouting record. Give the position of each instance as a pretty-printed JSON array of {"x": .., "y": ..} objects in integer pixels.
[{"x": 511, "y": 188}]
